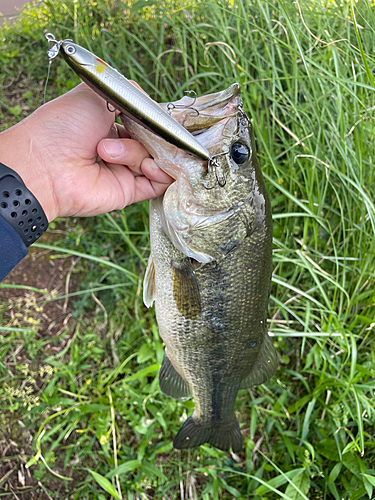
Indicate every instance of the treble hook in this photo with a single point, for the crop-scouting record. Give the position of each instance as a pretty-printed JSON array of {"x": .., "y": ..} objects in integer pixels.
[
  {"x": 218, "y": 182},
  {"x": 171, "y": 106}
]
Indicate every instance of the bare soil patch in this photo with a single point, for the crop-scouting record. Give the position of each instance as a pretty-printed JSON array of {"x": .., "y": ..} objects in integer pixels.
[{"x": 29, "y": 308}]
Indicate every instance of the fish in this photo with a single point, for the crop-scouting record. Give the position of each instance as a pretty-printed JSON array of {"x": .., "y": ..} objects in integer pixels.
[{"x": 210, "y": 267}]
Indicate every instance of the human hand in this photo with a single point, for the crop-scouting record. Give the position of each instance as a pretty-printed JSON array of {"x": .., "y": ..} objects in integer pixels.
[{"x": 77, "y": 161}]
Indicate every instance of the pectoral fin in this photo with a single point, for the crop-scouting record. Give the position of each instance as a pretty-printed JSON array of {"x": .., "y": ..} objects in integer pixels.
[
  {"x": 264, "y": 368},
  {"x": 171, "y": 383},
  {"x": 149, "y": 284},
  {"x": 186, "y": 289}
]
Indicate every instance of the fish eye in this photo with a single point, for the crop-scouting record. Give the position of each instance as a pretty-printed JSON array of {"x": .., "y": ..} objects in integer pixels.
[
  {"x": 70, "y": 50},
  {"x": 239, "y": 153}
]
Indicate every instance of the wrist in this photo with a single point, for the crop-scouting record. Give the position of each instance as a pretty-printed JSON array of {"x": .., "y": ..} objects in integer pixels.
[
  {"x": 20, "y": 208},
  {"x": 20, "y": 152}
]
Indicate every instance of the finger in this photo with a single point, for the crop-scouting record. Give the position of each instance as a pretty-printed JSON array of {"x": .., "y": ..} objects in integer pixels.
[
  {"x": 150, "y": 171},
  {"x": 124, "y": 152},
  {"x": 113, "y": 187},
  {"x": 154, "y": 173},
  {"x": 146, "y": 189},
  {"x": 136, "y": 188},
  {"x": 82, "y": 100}
]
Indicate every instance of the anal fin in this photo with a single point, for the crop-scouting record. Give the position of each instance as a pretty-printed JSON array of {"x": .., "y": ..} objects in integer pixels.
[
  {"x": 265, "y": 366},
  {"x": 171, "y": 383}
]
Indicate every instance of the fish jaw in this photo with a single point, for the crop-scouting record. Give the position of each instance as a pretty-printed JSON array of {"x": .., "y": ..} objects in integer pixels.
[
  {"x": 224, "y": 201},
  {"x": 189, "y": 208}
]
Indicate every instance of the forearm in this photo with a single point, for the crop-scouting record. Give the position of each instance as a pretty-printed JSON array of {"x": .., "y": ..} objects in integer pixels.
[
  {"x": 21, "y": 150},
  {"x": 21, "y": 216}
]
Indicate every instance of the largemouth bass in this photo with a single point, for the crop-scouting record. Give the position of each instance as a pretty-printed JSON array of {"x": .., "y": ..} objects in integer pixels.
[{"x": 210, "y": 267}]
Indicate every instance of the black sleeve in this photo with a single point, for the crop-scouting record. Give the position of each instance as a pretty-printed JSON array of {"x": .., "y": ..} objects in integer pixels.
[{"x": 12, "y": 248}]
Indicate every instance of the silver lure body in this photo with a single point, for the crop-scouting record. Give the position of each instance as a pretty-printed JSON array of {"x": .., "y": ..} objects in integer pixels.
[{"x": 127, "y": 98}]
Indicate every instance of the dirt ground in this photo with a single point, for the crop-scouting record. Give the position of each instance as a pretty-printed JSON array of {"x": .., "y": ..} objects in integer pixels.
[
  {"x": 24, "y": 308},
  {"x": 52, "y": 276}
]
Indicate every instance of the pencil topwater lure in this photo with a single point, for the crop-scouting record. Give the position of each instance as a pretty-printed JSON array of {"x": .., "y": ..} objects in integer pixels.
[{"x": 124, "y": 96}]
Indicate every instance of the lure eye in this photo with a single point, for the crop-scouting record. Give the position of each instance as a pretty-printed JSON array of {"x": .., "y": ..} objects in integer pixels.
[
  {"x": 239, "y": 153},
  {"x": 70, "y": 50}
]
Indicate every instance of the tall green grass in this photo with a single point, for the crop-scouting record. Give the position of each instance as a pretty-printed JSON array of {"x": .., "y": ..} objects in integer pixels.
[{"x": 306, "y": 72}]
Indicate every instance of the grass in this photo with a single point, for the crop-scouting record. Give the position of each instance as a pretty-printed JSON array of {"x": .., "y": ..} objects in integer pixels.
[{"x": 92, "y": 404}]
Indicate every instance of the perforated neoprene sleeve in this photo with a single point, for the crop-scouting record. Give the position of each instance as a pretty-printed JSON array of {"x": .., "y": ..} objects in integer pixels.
[{"x": 20, "y": 208}]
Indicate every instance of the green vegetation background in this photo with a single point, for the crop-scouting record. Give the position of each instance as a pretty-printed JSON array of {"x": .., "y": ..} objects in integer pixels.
[{"x": 306, "y": 69}]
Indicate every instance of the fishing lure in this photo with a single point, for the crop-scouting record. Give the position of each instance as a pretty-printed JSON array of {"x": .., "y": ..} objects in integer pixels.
[{"x": 124, "y": 96}]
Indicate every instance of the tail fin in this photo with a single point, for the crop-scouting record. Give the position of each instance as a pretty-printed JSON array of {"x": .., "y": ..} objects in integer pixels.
[{"x": 222, "y": 436}]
